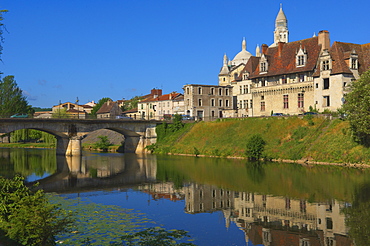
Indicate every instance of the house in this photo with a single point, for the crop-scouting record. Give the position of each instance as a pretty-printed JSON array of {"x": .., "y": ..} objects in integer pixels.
[
  {"x": 109, "y": 110},
  {"x": 71, "y": 110},
  {"x": 133, "y": 113},
  {"x": 293, "y": 77},
  {"x": 208, "y": 102},
  {"x": 145, "y": 106}
]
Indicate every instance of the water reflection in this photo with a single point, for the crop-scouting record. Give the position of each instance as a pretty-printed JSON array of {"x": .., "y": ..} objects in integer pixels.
[
  {"x": 271, "y": 204},
  {"x": 264, "y": 219}
]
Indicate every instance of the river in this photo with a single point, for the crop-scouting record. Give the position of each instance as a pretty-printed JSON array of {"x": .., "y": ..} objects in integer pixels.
[{"x": 218, "y": 201}]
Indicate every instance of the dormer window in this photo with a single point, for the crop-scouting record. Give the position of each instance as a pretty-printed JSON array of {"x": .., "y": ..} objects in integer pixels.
[
  {"x": 354, "y": 63},
  {"x": 325, "y": 65},
  {"x": 263, "y": 64},
  {"x": 263, "y": 67},
  {"x": 301, "y": 57}
]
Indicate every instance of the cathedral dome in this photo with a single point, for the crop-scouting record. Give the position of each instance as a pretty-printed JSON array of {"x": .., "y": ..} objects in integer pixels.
[{"x": 243, "y": 56}]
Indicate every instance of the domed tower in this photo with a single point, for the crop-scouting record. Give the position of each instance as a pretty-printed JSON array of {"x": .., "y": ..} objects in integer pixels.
[
  {"x": 281, "y": 32},
  {"x": 243, "y": 56}
]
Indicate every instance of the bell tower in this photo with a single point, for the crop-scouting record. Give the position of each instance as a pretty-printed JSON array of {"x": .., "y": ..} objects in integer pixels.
[{"x": 281, "y": 32}]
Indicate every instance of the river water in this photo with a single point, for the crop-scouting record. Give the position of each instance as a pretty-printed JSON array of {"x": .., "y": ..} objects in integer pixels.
[{"x": 218, "y": 201}]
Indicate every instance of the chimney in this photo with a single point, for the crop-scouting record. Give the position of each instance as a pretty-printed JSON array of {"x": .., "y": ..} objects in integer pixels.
[
  {"x": 156, "y": 92},
  {"x": 324, "y": 40},
  {"x": 264, "y": 49},
  {"x": 280, "y": 48}
]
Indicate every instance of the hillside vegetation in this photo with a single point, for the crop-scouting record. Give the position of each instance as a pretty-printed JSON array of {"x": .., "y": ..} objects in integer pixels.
[{"x": 290, "y": 138}]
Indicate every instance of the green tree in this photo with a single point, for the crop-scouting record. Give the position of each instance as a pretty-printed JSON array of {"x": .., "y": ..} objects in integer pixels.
[
  {"x": 255, "y": 147},
  {"x": 99, "y": 104},
  {"x": 60, "y": 113},
  {"x": 11, "y": 99},
  {"x": 27, "y": 217},
  {"x": 103, "y": 144},
  {"x": 357, "y": 108},
  {"x": 177, "y": 122},
  {"x": 131, "y": 104}
]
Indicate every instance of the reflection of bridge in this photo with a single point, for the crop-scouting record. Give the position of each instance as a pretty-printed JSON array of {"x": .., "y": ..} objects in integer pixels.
[
  {"x": 78, "y": 172},
  {"x": 69, "y": 132}
]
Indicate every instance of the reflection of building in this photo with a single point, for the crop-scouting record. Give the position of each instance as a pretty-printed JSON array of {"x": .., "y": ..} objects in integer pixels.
[
  {"x": 205, "y": 198},
  {"x": 265, "y": 219}
]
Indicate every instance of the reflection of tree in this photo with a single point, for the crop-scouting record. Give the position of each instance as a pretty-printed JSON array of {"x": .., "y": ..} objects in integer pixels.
[
  {"x": 358, "y": 216},
  {"x": 255, "y": 171},
  {"x": 26, "y": 162}
]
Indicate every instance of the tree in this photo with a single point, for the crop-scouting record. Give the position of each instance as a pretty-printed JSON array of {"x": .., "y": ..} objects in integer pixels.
[
  {"x": 357, "y": 108},
  {"x": 131, "y": 104},
  {"x": 27, "y": 217},
  {"x": 99, "y": 104},
  {"x": 103, "y": 144},
  {"x": 12, "y": 100},
  {"x": 255, "y": 147}
]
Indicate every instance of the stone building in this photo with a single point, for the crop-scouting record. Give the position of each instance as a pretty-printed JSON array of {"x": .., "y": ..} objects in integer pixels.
[
  {"x": 109, "y": 110},
  {"x": 208, "y": 102},
  {"x": 293, "y": 77}
]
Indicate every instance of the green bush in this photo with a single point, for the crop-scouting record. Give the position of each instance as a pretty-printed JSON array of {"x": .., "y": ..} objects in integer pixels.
[
  {"x": 103, "y": 144},
  {"x": 255, "y": 147},
  {"x": 27, "y": 217}
]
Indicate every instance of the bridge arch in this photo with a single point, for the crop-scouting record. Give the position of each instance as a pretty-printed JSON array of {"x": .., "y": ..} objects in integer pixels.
[{"x": 69, "y": 132}]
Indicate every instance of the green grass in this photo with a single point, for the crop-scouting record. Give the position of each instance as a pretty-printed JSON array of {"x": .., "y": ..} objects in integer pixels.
[{"x": 293, "y": 138}]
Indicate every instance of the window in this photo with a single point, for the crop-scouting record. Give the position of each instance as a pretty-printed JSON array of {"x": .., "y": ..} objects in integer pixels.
[
  {"x": 188, "y": 102},
  {"x": 263, "y": 67},
  {"x": 300, "y": 60},
  {"x": 251, "y": 104},
  {"x": 301, "y": 78},
  {"x": 325, "y": 65},
  {"x": 212, "y": 102},
  {"x": 220, "y": 103},
  {"x": 329, "y": 223},
  {"x": 354, "y": 63},
  {"x": 326, "y": 84},
  {"x": 200, "y": 90},
  {"x": 213, "y": 113},
  {"x": 199, "y": 102},
  {"x": 241, "y": 90},
  {"x": 263, "y": 106},
  {"x": 300, "y": 100},
  {"x": 286, "y": 101},
  {"x": 226, "y": 92},
  {"x": 245, "y": 89},
  {"x": 187, "y": 91},
  {"x": 246, "y": 104},
  {"x": 326, "y": 102},
  {"x": 262, "y": 97},
  {"x": 245, "y": 76},
  {"x": 235, "y": 76},
  {"x": 241, "y": 104},
  {"x": 212, "y": 91},
  {"x": 287, "y": 203},
  {"x": 263, "y": 82},
  {"x": 220, "y": 91},
  {"x": 226, "y": 103},
  {"x": 284, "y": 80}
]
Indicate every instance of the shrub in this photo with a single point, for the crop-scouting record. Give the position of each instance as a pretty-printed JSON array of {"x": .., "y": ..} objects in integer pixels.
[
  {"x": 255, "y": 147},
  {"x": 27, "y": 217},
  {"x": 103, "y": 144}
]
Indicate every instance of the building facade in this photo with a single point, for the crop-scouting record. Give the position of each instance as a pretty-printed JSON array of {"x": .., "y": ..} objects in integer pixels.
[
  {"x": 293, "y": 77},
  {"x": 208, "y": 102}
]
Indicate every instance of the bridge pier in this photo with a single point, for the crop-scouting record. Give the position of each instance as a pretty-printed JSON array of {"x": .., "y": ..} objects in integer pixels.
[{"x": 69, "y": 146}]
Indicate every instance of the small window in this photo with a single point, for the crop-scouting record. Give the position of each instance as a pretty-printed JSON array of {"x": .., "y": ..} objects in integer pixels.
[
  {"x": 286, "y": 101},
  {"x": 220, "y": 91},
  {"x": 300, "y": 60},
  {"x": 241, "y": 90},
  {"x": 263, "y": 106},
  {"x": 187, "y": 91},
  {"x": 300, "y": 100},
  {"x": 262, "y": 97},
  {"x": 329, "y": 223},
  {"x": 354, "y": 63},
  {"x": 326, "y": 102},
  {"x": 212, "y": 102},
  {"x": 226, "y": 92},
  {"x": 235, "y": 76},
  {"x": 200, "y": 102},
  {"x": 200, "y": 90},
  {"x": 220, "y": 103},
  {"x": 227, "y": 103},
  {"x": 326, "y": 83},
  {"x": 212, "y": 91}
]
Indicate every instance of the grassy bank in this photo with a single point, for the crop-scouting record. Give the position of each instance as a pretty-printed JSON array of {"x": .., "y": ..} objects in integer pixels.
[{"x": 292, "y": 138}]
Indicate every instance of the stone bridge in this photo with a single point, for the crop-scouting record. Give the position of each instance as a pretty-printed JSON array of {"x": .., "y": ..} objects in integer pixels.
[{"x": 69, "y": 132}]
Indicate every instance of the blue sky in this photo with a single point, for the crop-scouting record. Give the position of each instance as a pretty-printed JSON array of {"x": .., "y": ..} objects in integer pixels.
[{"x": 59, "y": 50}]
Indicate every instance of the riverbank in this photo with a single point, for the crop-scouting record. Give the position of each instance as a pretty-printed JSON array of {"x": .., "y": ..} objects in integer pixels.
[{"x": 305, "y": 140}]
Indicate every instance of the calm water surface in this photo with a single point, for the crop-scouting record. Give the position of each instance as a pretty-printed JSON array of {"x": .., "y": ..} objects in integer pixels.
[{"x": 219, "y": 201}]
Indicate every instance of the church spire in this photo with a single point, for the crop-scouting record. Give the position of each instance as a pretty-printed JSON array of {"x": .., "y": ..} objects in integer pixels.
[{"x": 281, "y": 27}]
